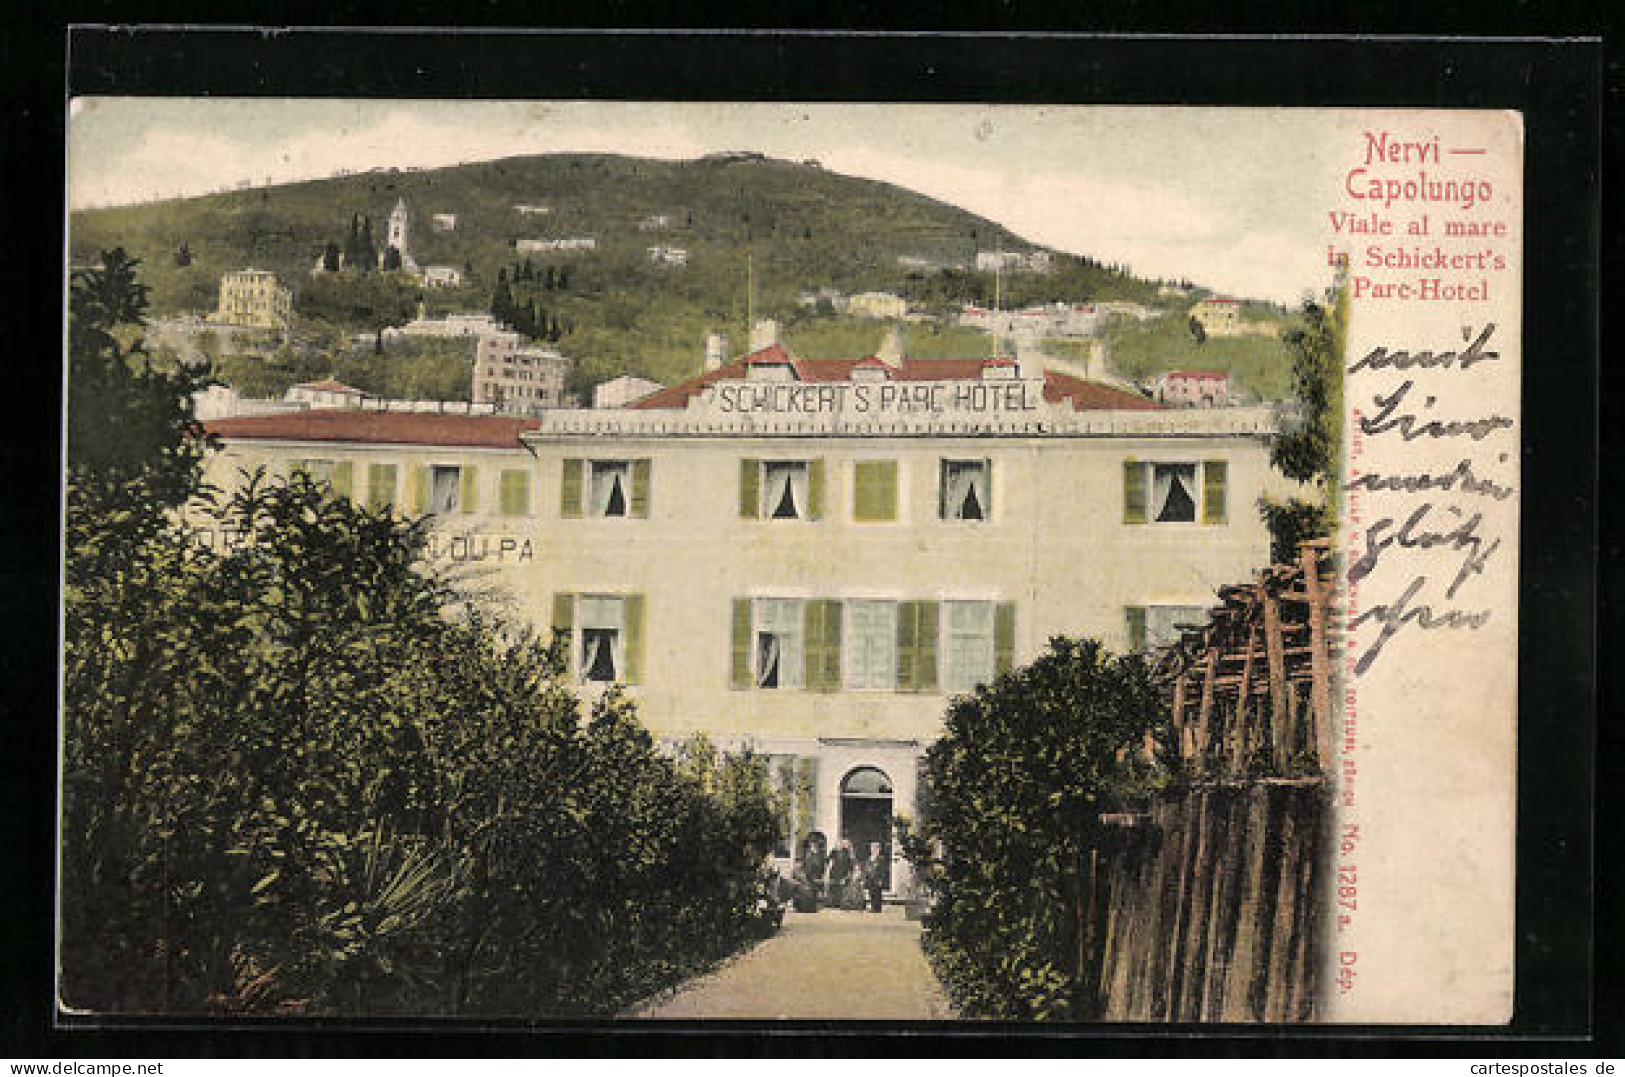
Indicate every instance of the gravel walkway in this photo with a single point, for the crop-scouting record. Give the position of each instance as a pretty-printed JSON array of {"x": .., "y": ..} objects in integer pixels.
[{"x": 829, "y": 965}]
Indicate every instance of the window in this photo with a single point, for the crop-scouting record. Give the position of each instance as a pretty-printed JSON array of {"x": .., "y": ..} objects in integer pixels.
[
  {"x": 603, "y": 635},
  {"x": 445, "y": 486},
  {"x": 381, "y": 487},
  {"x": 603, "y": 639},
  {"x": 334, "y": 473},
  {"x": 609, "y": 488},
  {"x": 871, "y": 651},
  {"x": 781, "y": 489},
  {"x": 967, "y": 490},
  {"x": 778, "y": 642},
  {"x": 874, "y": 491},
  {"x": 1169, "y": 493},
  {"x": 968, "y": 645},
  {"x": 1151, "y": 627},
  {"x": 605, "y": 489}
]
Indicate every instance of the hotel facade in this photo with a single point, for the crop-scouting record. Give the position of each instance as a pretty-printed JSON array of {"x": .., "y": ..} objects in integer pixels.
[{"x": 813, "y": 557}]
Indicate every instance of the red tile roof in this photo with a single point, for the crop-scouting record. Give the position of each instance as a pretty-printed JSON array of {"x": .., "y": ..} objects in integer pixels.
[
  {"x": 328, "y": 385},
  {"x": 378, "y": 428},
  {"x": 1206, "y": 375},
  {"x": 1084, "y": 395}
]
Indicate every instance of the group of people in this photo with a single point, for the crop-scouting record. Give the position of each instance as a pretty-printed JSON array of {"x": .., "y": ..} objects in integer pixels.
[{"x": 842, "y": 879}]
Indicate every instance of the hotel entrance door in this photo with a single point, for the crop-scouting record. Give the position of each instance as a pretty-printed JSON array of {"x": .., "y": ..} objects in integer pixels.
[{"x": 866, "y": 815}]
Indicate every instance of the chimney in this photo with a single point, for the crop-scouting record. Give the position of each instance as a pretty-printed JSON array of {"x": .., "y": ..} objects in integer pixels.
[
  {"x": 764, "y": 334},
  {"x": 893, "y": 346},
  {"x": 716, "y": 350}
]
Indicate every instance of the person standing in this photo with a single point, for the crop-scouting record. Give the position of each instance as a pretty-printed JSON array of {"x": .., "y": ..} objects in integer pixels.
[
  {"x": 815, "y": 863},
  {"x": 874, "y": 875},
  {"x": 841, "y": 865}
]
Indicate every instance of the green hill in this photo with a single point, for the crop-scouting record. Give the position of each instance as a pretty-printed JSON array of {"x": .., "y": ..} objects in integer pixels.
[{"x": 613, "y": 310}]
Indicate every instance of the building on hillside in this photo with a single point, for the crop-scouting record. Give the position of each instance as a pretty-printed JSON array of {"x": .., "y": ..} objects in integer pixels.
[
  {"x": 516, "y": 377},
  {"x": 623, "y": 391},
  {"x": 399, "y": 237},
  {"x": 525, "y": 209},
  {"x": 470, "y": 324},
  {"x": 444, "y": 222},
  {"x": 1123, "y": 308},
  {"x": 656, "y": 222},
  {"x": 814, "y": 557},
  {"x": 922, "y": 264},
  {"x": 668, "y": 256},
  {"x": 326, "y": 393},
  {"x": 1194, "y": 389},
  {"x": 253, "y": 298},
  {"x": 1218, "y": 317},
  {"x": 1014, "y": 261},
  {"x": 562, "y": 244},
  {"x": 826, "y": 298},
  {"x": 877, "y": 305},
  {"x": 442, "y": 277}
]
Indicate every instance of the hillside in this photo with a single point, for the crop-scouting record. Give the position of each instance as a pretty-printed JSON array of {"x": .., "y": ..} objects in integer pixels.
[{"x": 615, "y": 311}]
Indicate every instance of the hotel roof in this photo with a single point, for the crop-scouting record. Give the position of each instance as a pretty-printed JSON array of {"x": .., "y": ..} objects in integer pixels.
[
  {"x": 378, "y": 428},
  {"x": 1058, "y": 387}
]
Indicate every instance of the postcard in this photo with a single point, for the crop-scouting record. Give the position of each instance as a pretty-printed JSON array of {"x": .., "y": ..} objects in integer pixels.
[{"x": 650, "y": 561}]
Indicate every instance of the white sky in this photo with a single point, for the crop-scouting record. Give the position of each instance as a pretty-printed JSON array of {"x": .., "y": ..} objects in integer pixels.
[{"x": 1233, "y": 199}]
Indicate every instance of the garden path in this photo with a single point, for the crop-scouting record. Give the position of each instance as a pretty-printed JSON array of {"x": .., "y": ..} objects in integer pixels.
[{"x": 828, "y": 965}]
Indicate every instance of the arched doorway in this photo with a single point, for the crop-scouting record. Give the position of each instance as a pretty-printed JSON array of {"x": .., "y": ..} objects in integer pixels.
[{"x": 866, "y": 794}]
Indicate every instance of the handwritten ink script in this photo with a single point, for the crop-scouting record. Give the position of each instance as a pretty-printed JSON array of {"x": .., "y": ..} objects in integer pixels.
[{"x": 1440, "y": 522}]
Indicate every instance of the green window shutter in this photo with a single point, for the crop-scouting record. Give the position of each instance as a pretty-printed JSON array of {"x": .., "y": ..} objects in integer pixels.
[
  {"x": 741, "y": 644},
  {"x": 907, "y": 646},
  {"x": 1214, "y": 476},
  {"x": 1004, "y": 637},
  {"x": 917, "y": 647},
  {"x": 342, "y": 477},
  {"x": 513, "y": 492},
  {"x": 815, "y": 489},
  {"x": 381, "y": 486},
  {"x": 750, "y": 489},
  {"x": 640, "y": 489},
  {"x": 874, "y": 497},
  {"x": 821, "y": 645},
  {"x": 419, "y": 501},
  {"x": 925, "y": 674},
  {"x": 1133, "y": 491},
  {"x": 634, "y": 639},
  {"x": 1134, "y": 617},
  {"x": 468, "y": 498},
  {"x": 987, "y": 505},
  {"x": 570, "y": 489},
  {"x": 564, "y": 609}
]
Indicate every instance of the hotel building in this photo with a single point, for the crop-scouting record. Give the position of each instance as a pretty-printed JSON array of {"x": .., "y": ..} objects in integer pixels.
[{"x": 812, "y": 557}]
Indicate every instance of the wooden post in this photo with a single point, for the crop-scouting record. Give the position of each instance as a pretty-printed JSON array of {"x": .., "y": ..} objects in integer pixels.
[
  {"x": 1205, "y": 714},
  {"x": 1320, "y": 692},
  {"x": 1181, "y": 745},
  {"x": 1275, "y": 652},
  {"x": 1243, "y": 722}
]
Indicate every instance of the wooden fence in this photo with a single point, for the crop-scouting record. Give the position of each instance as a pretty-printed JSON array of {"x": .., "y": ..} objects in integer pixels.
[
  {"x": 1252, "y": 690},
  {"x": 1208, "y": 908}
]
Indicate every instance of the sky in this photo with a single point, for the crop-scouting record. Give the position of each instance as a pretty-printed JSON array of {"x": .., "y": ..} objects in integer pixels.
[{"x": 1231, "y": 198}]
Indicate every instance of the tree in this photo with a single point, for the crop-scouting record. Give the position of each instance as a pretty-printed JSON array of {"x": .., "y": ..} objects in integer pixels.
[
  {"x": 502, "y": 306},
  {"x": 183, "y": 256},
  {"x": 331, "y": 262},
  {"x": 366, "y": 255},
  {"x": 1198, "y": 330},
  {"x": 1310, "y": 451},
  {"x": 302, "y": 773},
  {"x": 1015, "y": 787},
  {"x": 392, "y": 259}
]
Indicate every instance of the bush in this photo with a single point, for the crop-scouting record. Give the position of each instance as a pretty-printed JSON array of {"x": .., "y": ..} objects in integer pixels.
[
  {"x": 302, "y": 774},
  {"x": 1015, "y": 787}
]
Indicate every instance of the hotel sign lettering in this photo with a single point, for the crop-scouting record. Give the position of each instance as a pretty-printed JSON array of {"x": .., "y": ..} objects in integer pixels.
[{"x": 875, "y": 399}]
